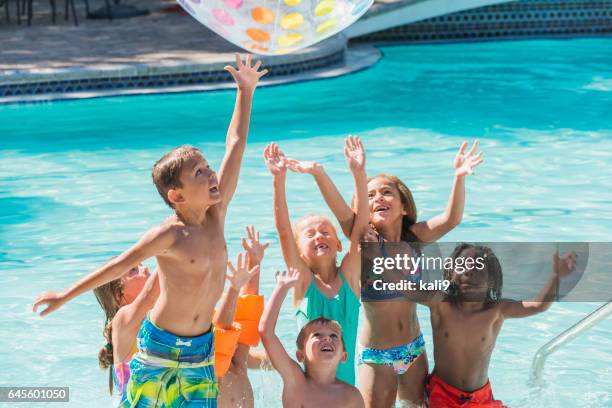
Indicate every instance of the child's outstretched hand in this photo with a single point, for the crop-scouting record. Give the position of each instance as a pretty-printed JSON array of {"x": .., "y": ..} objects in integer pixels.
[
  {"x": 306, "y": 167},
  {"x": 466, "y": 162},
  {"x": 275, "y": 159},
  {"x": 239, "y": 275},
  {"x": 53, "y": 301},
  {"x": 253, "y": 247},
  {"x": 288, "y": 279},
  {"x": 245, "y": 75},
  {"x": 354, "y": 153},
  {"x": 564, "y": 265}
]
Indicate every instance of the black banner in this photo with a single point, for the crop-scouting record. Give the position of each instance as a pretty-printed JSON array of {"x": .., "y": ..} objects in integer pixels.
[{"x": 487, "y": 271}]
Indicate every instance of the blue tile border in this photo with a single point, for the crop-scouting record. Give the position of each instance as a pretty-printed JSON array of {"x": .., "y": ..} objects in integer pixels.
[
  {"x": 516, "y": 19},
  {"x": 148, "y": 81},
  {"x": 355, "y": 58}
]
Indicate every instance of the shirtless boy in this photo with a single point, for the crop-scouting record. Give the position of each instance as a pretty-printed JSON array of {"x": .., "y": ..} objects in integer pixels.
[
  {"x": 320, "y": 348},
  {"x": 175, "y": 356},
  {"x": 466, "y": 325}
]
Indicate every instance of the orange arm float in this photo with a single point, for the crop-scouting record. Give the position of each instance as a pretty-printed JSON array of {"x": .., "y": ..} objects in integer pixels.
[
  {"x": 249, "y": 309},
  {"x": 226, "y": 341}
]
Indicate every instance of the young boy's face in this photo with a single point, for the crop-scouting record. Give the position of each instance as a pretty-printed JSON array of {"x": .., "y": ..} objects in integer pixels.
[
  {"x": 317, "y": 239},
  {"x": 200, "y": 185},
  {"x": 473, "y": 283},
  {"x": 323, "y": 344},
  {"x": 385, "y": 202}
]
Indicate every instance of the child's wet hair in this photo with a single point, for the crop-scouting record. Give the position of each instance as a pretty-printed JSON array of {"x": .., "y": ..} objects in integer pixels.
[
  {"x": 167, "y": 171},
  {"x": 493, "y": 268},
  {"x": 408, "y": 204},
  {"x": 300, "y": 342},
  {"x": 109, "y": 297},
  {"x": 297, "y": 226}
]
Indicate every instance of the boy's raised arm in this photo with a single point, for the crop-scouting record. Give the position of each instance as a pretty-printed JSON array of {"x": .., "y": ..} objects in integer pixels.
[
  {"x": 275, "y": 160},
  {"x": 436, "y": 227},
  {"x": 151, "y": 244},
  {"x": 289, "y": 370},
  {"x": 246, "y": 77},
  {"x": 343, "y": 213},
  {"x": 562, "y": 266}
]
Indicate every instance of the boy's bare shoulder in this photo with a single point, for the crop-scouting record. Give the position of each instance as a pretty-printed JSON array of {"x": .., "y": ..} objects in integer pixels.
[
  {"x": 345, "y": 388},
  {"x": 171, "y": 225},
  {"x": 168, "y": 231},
  {"x": 494, "y": 312},
  {"x": 217, "y": 210},
  {"x": 498, "y": 306},
  {"x": 505, "y": 305},
  {"x": 352, "y": 396}
]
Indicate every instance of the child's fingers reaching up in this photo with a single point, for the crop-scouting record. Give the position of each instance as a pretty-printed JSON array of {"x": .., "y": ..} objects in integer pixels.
[
  {"x": 253, "y": 246},
  {"x": 275, "y": 159},
  {"x": 564, "y": 265},
  {"x": 354, "y": 153},
  {"x": 276, "y": 151},
  {"x": 234, "y": 71},
  {"x": 288, "y": 278},
  {"x": 240, "y": 274},
  {"x": 246, "y": 75},
  {"x": 466, "y": 162}
]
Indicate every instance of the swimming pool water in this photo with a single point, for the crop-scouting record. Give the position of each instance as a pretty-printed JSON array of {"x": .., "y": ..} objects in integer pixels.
[{"x": 75, "y": 189}]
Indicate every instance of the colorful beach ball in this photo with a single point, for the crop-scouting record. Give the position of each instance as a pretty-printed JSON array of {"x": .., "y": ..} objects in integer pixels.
[{"x": 276, "y": 26}]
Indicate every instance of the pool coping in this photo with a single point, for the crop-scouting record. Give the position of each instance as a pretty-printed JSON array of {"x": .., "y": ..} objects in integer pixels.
[
  {"x": 214, "y": 64},
  {"x": 328, "y": 59}
]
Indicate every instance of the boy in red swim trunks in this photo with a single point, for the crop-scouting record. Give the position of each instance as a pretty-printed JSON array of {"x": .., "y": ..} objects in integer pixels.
[{"x": 466, "y": 325}]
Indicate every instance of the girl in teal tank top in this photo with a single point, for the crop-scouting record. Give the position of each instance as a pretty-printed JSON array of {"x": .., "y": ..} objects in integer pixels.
[
  {"x": 311, "y": 246},
  {"x": 343, "y": 308}
]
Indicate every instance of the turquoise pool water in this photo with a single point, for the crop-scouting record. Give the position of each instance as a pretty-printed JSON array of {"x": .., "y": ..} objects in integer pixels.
[{"x": 75, "y": 189}]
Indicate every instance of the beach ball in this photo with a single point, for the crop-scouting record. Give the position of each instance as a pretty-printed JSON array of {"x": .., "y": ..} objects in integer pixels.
[{"x": 272, "y": 27}]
